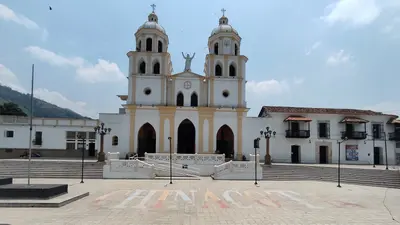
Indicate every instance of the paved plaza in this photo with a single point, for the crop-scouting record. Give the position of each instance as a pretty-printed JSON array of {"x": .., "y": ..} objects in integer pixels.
[{"x": 211, "y": 202}]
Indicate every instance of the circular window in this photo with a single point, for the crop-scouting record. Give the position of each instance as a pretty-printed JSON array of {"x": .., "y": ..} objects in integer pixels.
[
  {"x": 147, "y": 91},
  {"x": 225, "y": 93}
]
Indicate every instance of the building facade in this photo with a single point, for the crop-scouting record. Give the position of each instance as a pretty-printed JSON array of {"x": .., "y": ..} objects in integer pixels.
[
  {"x": 48, "y": 135},
  {"x": 187, "y": 112}
]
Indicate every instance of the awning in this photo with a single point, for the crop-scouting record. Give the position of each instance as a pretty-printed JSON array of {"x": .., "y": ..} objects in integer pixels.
[
  {"x": 297, "y": 118},
  {"x": 353, "y": 120},
  {"x": 396, "y": 121}
]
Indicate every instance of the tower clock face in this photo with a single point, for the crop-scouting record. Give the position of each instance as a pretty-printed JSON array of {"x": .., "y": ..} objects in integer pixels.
[
  {"x": 187, "y": 84},
  {"x": 227, "y": 43}
]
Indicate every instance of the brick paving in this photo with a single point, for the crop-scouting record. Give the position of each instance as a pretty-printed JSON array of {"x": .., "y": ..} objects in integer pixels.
[{"x": 205, "y": 201}]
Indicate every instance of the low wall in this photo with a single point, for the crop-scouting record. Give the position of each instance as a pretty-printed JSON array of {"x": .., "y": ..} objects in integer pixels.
[
  {"x": 128, "y": 169},
  {"x": 44, "y": 153},
  {"x": 236, "y": 170}
]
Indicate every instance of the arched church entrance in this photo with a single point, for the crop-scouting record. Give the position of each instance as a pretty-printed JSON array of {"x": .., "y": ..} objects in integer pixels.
[
  {"x": 186, "y": 137},
  {"x": 146, "y": 140},
  {"x": 225, "y": 141}
]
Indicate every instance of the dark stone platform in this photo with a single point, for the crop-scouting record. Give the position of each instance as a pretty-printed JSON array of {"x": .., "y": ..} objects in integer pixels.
[
  {"x": 33, "y": 191},
  {"x": 5, "y": 180}
]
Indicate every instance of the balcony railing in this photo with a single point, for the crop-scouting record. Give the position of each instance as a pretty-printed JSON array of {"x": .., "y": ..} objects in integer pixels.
[
  {"x": 297, "y": 133},
  {"x": 394, "y": 136},
  {"x": 355, "y": 135}
]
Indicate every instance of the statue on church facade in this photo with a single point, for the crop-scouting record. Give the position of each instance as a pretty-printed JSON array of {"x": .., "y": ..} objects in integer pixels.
[{"x": 188, "y": 61}]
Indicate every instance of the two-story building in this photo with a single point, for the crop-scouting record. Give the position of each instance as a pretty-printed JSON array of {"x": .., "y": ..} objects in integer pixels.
[{"x": 311, "y": 135}]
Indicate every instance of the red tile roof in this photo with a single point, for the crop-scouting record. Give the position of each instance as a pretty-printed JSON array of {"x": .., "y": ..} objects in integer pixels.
[
  {"x": 309, "y": 110},
  {"x": 297, "y": 118},
  {"x": 352, "y": 119}
]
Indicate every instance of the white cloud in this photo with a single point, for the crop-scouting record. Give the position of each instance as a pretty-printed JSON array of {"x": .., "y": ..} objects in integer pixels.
[
  {"x": 8, "y": 78},
  {"x": 388, "y": 107},
  {"x": 60, "y": 100},
  {"x": 338, "y": 58},
  {"x": 313, "y": 47},
  {"x": 103, "y": 71},
  {"x": 271, "y": 87},
  {"x": 355, "y": 12},
  {"x": 8, "y": 14}
]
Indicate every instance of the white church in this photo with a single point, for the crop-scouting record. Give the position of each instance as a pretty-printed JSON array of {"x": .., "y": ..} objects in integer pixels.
[{"x": 193, "y": 113}]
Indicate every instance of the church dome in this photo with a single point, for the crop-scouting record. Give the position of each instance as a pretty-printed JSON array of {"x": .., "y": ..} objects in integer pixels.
[
  {"x": 223, "y": 26},
  {"x": 152, "y": 23}
]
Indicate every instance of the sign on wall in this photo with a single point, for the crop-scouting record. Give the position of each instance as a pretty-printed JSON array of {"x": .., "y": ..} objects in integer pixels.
[{"x": 352, "y": 152}]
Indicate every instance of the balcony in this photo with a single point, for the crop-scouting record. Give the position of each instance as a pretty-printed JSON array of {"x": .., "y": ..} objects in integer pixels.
[
  {"x": 355, "y": 135},
  {"x": 394, "y": 136},
  {"x": 297, "y": 133}
]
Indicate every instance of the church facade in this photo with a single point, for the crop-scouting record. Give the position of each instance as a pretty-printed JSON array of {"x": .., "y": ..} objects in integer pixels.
[{"x": 196, "y": 113}]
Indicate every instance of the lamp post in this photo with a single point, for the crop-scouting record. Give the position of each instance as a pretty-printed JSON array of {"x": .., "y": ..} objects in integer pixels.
[
  {"x": 256, "y": 145},
  {"x": 338, "y": 172},
  {"x": 267, "y": 133},
  {"x": 101, "y": 130},
  {"x": 373, "y": 148},
  {"x": 386, "y": 159},
  {"x": 82, "y": 138},
  {"x": 170, "y": 160}
]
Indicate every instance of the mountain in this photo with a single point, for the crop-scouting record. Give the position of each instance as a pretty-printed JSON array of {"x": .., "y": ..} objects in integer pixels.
[{"x": 40, "y": 108}]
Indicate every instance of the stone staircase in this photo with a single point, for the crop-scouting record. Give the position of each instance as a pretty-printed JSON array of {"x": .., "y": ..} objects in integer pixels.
[
  {"x": 68, "y": 169},
  {"x": 368, "y": 177}
]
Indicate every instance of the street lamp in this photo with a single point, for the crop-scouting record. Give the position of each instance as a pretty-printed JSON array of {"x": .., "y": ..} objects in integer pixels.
[
  {"x": 267, "y": 133},
  {"x": 256, "y": 145},
  {"x": 170, "y": 160},
  {"x": 101, "y": 130},
  {"x": 384, "y": 136},
  {"x": 338, "y": 172},
  {"x": 82, "y": 139}
]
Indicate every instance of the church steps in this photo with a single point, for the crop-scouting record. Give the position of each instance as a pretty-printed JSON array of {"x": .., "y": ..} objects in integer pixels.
[
  {"x": 368, "y": 177},
  {"x": 50, "y": 169}
]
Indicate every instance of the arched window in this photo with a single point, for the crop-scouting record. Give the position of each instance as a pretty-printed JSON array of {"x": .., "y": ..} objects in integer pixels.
[
  {"x": 139, "y": 46},
  {"x": 193, "y": 100},
  {"x": 216, "y": 48},
  {"x": 156, "y": 68},
  {"x": 142, "y": 67},
  {"x": 232, "y": 71},
  {"x": 160, "y": 47},
  {"x": 236, "y": 49},
  {"x": 179, "y": 99},
  {"x": 149, "y": 44},
  {"x": 114, "y": 140},
  {"x": 218, "y": 70}
]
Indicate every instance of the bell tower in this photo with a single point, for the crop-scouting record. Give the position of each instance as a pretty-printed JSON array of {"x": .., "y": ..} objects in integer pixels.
[
  {"x": 149, "y": 64},
  {"x": 225, "y": 67}
]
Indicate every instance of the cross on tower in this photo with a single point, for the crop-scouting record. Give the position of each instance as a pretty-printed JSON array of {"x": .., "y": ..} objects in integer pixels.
[
  {"x": 223, "y": 11},
  {"x": 153, "y": 6}
]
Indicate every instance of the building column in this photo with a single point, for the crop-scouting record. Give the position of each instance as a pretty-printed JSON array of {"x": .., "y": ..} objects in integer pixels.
[
  {"x": 201, "y": 134},
  {"x": 161, "y": 134},
  {"x": 167, "y": 112},
  {"x": 132, "y": 117},
  {"x": 239, "y": 153}
]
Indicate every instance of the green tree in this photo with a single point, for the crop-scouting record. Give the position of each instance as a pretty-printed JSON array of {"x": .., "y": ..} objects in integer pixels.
[{"x": 11, "y": 109}]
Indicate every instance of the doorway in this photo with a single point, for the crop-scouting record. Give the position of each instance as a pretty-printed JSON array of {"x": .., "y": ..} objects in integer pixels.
[
  {"x": 295, "y": 154},
  {"x": 186, "y": 137},
  {"x": 295, "y": 126},
  {"x": 225, "y": 140},
  {"x": 377, "y": 155},
  {"x": 92, "y": 151},
  {"x": 323, "y": 154},
  {"x": 146, "y": 140}
]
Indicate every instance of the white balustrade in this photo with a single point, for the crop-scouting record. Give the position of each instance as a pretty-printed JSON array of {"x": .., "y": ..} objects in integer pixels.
[
  {"x": 189, "y": 159},
  {"x": 112, "y": 155},
  {"x": 242, "y": 170}
]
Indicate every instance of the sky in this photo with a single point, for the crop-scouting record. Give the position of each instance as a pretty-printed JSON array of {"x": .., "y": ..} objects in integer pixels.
[{"x": 308, "y": 53}]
